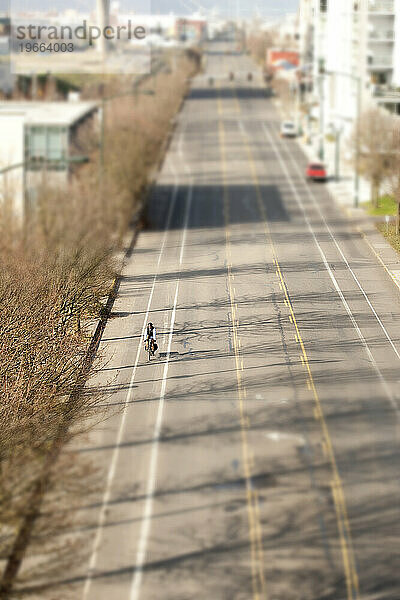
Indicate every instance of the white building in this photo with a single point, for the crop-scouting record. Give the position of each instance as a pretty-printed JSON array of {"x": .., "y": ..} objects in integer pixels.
[
  {"x": 37, "y": 138},
  {"x": 355, "y": 51},
  {"x": 288, "y": 28},
  {"x": 306, "y": 31}
]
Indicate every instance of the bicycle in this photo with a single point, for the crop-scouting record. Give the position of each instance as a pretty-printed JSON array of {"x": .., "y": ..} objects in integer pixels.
[{"x": 150, "y": 348}]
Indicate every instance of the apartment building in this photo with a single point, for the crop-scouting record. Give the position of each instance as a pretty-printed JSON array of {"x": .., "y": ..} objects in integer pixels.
[
  {"x": 354, "y": 47},
  {"x": 306, "y": 32}
]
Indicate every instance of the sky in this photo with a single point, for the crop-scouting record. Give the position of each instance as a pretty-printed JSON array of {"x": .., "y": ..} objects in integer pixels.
[{"x": 247, "y": 8}]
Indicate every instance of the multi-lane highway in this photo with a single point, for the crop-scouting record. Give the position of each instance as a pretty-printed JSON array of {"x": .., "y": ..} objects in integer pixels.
[{"x": 257, "y": 456}]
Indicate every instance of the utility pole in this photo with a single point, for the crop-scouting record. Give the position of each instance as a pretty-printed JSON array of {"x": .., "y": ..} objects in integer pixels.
[
  {"x": 298, "y": 106},
  {"x": 338, "y": 134},
  {"x": 358, "y": 142},
  {"x": 321, "y": 119},
  {"x": 103, "y": 19},
  {"x": 34, "y": 86}
]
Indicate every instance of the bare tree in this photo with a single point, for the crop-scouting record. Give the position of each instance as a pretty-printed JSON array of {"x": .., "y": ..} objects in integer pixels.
[
  {"x": 258, "y": 44},
  {"x": 394, "y": 170},
  {"x": 375, "y": 141}
]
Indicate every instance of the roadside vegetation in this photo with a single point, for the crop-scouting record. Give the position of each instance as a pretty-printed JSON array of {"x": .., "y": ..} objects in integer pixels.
[
  {"x": 384, "y": 205},
  {"x": 374, "y": 133},
  {"x": 56, "y": 272},
  {"x": 389, "y": 232}
]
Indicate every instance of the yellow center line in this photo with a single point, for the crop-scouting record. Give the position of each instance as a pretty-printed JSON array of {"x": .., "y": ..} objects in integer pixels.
[
  {"x": 349, "y": 565},
  {"x": 255, "y": 534}
]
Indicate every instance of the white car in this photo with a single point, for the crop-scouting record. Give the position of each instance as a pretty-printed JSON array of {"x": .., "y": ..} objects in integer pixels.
[{"x": 288, "y": 129}]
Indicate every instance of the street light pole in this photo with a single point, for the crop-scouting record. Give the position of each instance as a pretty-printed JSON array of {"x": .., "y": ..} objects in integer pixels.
[
  {"x": 102, "y": 134},
  {"x": 321, "y": 119},
  {"x": 337, "y": 155},
  {"x": 358, "y": 151},
  {"x": 298, "y": 107}
]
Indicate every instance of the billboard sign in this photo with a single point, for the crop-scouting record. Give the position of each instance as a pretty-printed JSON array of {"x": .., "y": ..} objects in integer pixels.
[{"x": 286, "y": 60}]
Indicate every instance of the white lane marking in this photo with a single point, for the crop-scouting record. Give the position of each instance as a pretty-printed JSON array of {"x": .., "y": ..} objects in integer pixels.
[
  {"x": 382, "y": 246},
  {"x": 181, "y": 148},
  {"x": 333, "y": 279},
  {"x": 311, "y": 195},
  {"x": 186, "y": 221},
  {"x": 188, "y": 171},
  {"x": 151, "y": 481},
  {"x": 115, "y": 456},
  {"x": 180, "y": 143},
  {"x": 278, "y": 436}
]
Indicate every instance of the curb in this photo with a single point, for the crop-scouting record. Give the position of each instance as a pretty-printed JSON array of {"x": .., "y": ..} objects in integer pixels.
[{"x": 395, "y": 277}]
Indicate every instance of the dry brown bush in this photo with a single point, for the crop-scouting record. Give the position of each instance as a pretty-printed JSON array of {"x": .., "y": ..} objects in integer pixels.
[{"x": 43, "y": 362}]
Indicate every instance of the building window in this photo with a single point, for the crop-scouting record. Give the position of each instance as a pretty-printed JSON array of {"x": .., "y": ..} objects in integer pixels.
[
  {"x": 37, "y": 144},
  {"x": 55, "y": 144},
  {"x": 323, "y": 6},
  {"x": 46, "y": 144}
]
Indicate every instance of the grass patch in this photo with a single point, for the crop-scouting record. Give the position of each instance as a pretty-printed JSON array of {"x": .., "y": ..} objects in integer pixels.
[
  {"x": 389, "y": 233},
  {"x": 387, "y": 206}
]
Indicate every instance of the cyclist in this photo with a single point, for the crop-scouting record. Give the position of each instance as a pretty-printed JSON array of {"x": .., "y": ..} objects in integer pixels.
[{"x": 150, "y": 336}]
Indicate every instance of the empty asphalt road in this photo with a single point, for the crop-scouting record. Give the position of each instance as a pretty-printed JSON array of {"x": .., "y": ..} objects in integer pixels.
[{"x": 257, "y": 456}]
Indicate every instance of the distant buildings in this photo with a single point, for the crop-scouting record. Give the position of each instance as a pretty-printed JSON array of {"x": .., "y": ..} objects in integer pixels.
[
  {"x": 306, "y": 26},
  {"x": 36, "y": 140},
  {"x": 191, "y": 29}
]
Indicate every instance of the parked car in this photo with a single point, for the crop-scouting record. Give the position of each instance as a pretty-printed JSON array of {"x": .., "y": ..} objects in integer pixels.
[
  {"x": 316, "y": 171},
  {"x": 288, "y": 129}
]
